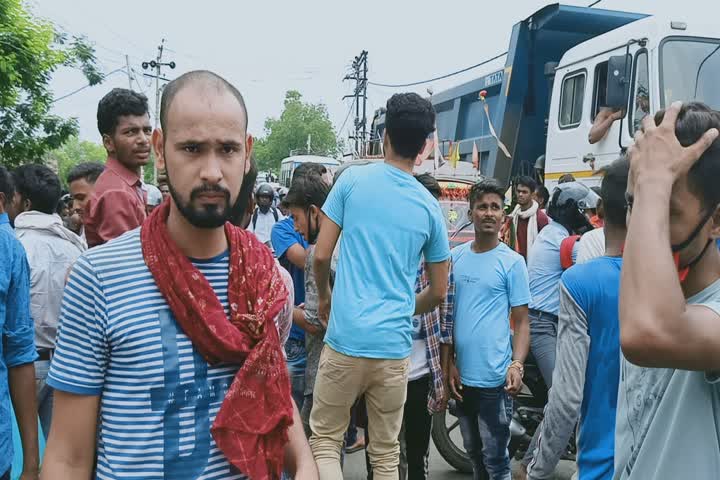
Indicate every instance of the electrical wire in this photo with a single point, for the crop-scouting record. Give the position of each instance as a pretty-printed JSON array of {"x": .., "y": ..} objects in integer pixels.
[
  {"x": 594, "y": 3},
  {"x": 85, "y": 86},
  {"x": 347, "y": 117},
  {"x": 412, "y": 84}
]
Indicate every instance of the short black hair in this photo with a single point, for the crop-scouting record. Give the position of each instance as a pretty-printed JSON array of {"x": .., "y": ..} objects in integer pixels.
[
  {"x": 89, "y": 171},
  {"x": 307, "y": 190},
  {"x": 429, "y": 182},
  {"x": 204, "y": 77},
  {"x": 693, "y": 121},
  {"x": 308, "y": 168},
  {"x": 612, "y": 191},
  {"x": 7, "y": 185},
  {"x": 118, "y": 103},
  {"x": 408, "y": 122},
  {"x": 566, "y": 178},
  {"x": 526, "y": 181},
  {"x": 543, "y": 192},
  {"x": 483, "y": 187},
  {"x": 40, "y": 185}
]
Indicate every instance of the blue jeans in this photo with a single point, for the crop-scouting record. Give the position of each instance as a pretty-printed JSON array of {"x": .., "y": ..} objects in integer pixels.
[
  {"x": 543, "y": 342},
  {"x": 295, "y": 353},
  {"x": 45, "y": 396},
  {"x": 485, "y": 415}
]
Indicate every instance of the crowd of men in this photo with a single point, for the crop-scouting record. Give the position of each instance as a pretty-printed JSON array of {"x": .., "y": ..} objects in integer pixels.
[{"x": 208, "y": 332}]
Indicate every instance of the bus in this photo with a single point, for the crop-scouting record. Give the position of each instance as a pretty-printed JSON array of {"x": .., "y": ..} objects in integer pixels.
[{"x": 289, "y": 165}]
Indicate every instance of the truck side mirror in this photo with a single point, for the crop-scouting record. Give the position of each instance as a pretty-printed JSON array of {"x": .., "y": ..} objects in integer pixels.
[{"x": 618, "y": 81}]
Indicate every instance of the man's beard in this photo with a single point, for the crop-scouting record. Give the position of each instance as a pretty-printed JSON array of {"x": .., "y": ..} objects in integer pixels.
[{"x": 207, "y": 216}]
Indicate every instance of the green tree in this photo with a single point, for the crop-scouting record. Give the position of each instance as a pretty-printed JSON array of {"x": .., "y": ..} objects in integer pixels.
[
  {"x": 72, "y": 152},
  {"x": 30, "y": 51},
  {"x": 298, "y": 121}
]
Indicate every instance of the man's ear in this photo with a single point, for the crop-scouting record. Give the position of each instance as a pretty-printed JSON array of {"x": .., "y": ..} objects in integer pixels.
[
  {"x": 158, "y": 142},
  {"x": 249, "y": 142},
  {"x": 715, "y": 231},
  {"x": 108, "y": 143}
]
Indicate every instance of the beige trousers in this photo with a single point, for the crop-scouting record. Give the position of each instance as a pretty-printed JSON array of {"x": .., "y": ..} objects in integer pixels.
[{"x": 340, "y": 381}]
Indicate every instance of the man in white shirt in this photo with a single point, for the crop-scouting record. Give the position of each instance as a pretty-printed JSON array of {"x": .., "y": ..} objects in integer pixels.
[
  {"x": 265, "y": 216},
  {"x": 51, "y": 251}
]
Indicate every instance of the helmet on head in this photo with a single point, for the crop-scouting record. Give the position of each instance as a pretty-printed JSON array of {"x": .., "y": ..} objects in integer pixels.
[
  {"x": 567, "y": 205},
  {"x": 265, "y": 190}
]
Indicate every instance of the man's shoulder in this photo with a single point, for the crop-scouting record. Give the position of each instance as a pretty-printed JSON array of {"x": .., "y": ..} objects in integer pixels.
[
  {"x": 542, "y": 219},
  {"x": 116, "y": 252},
  {"x": 10, "y": 242}
]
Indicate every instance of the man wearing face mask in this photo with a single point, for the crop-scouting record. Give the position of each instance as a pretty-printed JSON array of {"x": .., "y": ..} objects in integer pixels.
[
  {"x": 170, "y": 332},
  {"x": 266, "y": 215},
  {"x": 117, "y": 204},
  {"x": 668, "y": 418}
]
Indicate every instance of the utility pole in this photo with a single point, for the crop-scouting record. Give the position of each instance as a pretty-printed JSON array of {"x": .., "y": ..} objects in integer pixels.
[
  {"x": 157, "y": 64},
  {"x": 359, "y": 75},
  {"x": 129, "y": 72}
]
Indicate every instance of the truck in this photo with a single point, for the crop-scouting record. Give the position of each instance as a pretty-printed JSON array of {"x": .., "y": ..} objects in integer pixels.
[{"x": 564, "y": 65}]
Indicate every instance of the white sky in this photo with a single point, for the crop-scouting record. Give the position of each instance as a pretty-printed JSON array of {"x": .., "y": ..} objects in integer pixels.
[{"x": 266, "y": 47}]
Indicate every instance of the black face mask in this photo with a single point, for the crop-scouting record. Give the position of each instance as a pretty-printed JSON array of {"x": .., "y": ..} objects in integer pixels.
[{"x": 676, "y": 249}]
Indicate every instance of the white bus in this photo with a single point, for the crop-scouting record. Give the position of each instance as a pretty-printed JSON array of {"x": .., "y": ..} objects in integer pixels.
[{"x": 289, "y": 165}]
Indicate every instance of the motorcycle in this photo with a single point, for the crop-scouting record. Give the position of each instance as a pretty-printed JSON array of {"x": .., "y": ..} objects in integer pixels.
[{"x": 527, "y": 415}]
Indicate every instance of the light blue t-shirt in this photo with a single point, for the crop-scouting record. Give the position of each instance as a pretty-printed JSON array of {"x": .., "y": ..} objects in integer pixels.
[
  {"x": 545, "y": 269},
  {"x": 487, "y": 286},
  {"x": 388, "y": 220}
]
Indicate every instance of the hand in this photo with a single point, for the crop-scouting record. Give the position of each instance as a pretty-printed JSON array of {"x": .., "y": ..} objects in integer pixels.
[
  {"x": 324, "y": 304},
  {"x": 312, "y": 329},
  {"x": 658, "y": 154},
  {"x": 454, "y": 383},
  {"x": 513, "y": 381},
  {"x": 617, "y": 115}
]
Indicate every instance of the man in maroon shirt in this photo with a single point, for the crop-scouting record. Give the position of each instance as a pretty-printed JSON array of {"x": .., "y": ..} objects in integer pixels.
[
  {"x": 527, "y": 220},
  {"x": 118, "y": 203}
]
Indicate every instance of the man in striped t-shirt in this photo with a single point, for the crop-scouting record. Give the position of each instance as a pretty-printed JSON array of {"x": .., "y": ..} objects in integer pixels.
[{"x": 157, "y": 325}]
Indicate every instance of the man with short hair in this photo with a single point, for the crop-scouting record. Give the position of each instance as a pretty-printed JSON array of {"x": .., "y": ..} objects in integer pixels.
[
  {"x": 17, "y": 345},
  {"x": 542, "y": 197},
  {"x": 668, "y": 418},
  {"x": 174, "y": 325},
  {"x": 369, "y": 336},
  {"x": 266, "y": 215},
  {"x": 117, "y": 204},
  {"x": 51, "y": 251},
  {"x": 527, "y": 220},
  {"x": 587, "y": 373},
  {"x": 81, "y": 182},
  {"x": 483, "y": 362}
]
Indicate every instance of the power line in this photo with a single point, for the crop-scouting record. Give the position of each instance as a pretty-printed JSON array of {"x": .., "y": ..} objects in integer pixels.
[
  {"x": 594, "y": 3},
  {"x": 412, "y": 84},
  {"x": 347, "y": 117},
  {"x": 85, "y": 86}
]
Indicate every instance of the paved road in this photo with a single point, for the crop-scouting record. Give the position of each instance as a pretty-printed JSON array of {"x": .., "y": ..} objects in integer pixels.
[{"x": 439, "y": 469}]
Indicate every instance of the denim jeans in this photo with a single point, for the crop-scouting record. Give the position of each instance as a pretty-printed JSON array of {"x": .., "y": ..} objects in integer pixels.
[
  {"x": 485, "y": 416},
  {"x": 45, "y": 396},
  {"x": 543, "y": 342},
  {"x": 295, "y": 352}
]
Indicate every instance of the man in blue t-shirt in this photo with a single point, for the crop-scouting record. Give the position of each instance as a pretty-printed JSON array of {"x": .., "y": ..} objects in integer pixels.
[
  {"x": 587, "y": 373},
  {"x": 483, "y": 365},
  {"x": 388, "y": 222}
]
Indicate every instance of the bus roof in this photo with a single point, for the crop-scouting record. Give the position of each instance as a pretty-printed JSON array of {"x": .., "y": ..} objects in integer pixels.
[{"x": 310, "y": 159}]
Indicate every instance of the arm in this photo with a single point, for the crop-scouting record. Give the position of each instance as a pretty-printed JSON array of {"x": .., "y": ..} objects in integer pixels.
[
  {"x": 327, "y": 239},
  {"x": 300, "y": 320},
  {"x": 299, "y": 461},
  {"x": 71, "y": 446},
  {"x": 603, "y": 121},
  {"x": 296, "y": 254},
  {"x": 21, "y": 380},
  {"x": 447, "y": 309},
  {"x": 19, "y": 354},
  {"x": 657, "y": 327},
  {"x": 435, "y": 293},
  {"x": 285, "y": 242},
  {"x": 521, "y": 346},
  {"x": 565, "y": 398}
]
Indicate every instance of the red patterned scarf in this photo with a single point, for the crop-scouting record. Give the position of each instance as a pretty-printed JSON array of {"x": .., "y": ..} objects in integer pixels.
[{"x": 251, "y": 428}]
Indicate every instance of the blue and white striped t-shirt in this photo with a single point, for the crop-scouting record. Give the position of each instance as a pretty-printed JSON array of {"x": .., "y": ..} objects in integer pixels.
[{"x": 119, "y": 339}]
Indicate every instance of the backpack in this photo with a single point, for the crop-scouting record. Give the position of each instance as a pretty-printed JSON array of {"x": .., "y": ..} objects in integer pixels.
[
  {"x": 255, "y": 216},
  {"x": 566, "y": 251}
]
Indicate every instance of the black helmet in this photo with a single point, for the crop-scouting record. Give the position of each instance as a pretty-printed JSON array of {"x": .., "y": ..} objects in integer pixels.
[
  {"x": 567, "y": 205},
  {"x": 265, "y": 190}
]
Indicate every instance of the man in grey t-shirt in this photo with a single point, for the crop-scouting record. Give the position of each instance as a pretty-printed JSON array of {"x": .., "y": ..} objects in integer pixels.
[{"x": 668, "y": 413}]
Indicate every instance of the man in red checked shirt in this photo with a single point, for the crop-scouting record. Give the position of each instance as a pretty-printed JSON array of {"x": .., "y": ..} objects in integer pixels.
[{"x": 118, "y": 202}]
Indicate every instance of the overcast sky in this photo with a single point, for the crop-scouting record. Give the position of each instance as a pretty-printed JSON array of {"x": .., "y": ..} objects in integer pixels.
[{"x": 266, "y": 47}]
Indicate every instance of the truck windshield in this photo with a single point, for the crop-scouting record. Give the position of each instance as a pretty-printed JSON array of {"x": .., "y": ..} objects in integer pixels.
[{"x": 690, "y": 69}]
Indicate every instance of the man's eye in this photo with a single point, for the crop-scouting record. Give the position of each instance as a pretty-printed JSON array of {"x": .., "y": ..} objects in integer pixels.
[
  {"x": 228, "y": 149},
  {"x": 191, "y": 148}
]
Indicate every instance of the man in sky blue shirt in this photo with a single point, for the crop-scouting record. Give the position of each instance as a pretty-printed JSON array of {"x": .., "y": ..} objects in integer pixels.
[
  {"x": 587, "y": 374},
  {"x": 389, "y": 221},
  {"x": 17, "y": 348},
  {"x": 483, "y": 365}
]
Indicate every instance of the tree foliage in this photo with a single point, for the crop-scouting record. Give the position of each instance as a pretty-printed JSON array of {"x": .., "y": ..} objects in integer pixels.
[
  {"x": 30, "y": 51},
  {"x": 290, "y": 133},
  {"x": 73, "y": 152}
]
